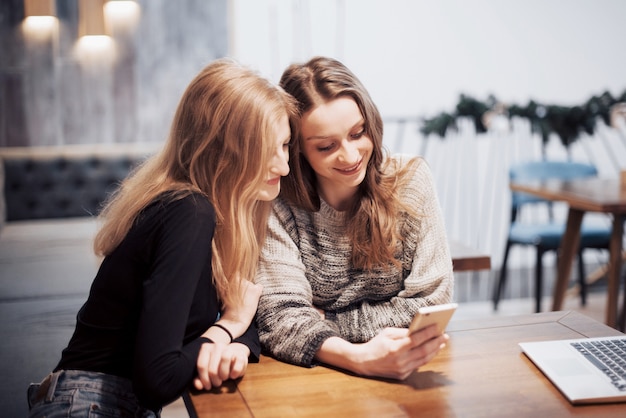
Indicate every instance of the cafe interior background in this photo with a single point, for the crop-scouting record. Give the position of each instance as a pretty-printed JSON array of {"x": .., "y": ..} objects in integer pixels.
[{"x": 469, "y": 85}]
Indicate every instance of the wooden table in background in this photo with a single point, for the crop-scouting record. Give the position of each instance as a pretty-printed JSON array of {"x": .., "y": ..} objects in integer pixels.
[
  {"x": 465, "y": 258},
  {"x": 482, "y": 372},
  {"x": 586, "y": 195}
]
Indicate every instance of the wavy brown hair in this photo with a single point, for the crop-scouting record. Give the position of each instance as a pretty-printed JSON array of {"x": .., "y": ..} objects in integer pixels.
[
  {"x": 372, "y": 219},
  {"x": 220, "y": 144}
]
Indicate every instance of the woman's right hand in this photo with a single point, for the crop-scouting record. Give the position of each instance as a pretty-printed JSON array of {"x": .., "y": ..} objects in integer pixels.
[
  {"x": 238, "y": 316},
  {"x": 219, "y": 362},
  {"x": 393, "y": 353}
]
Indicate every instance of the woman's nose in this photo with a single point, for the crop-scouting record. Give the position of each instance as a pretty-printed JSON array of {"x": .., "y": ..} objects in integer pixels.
[
  {"x": 280, "y": 163},
  {"x": 349, "y": 152}
]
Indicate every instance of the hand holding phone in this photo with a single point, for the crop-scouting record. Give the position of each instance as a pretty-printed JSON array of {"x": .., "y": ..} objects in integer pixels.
[{"x": 436, "y": 314}]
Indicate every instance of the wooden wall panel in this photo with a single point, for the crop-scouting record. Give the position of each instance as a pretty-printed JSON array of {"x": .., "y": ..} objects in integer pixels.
[
  {"x": 41, "y": 93},
  {"x": 50, "y": 95}
]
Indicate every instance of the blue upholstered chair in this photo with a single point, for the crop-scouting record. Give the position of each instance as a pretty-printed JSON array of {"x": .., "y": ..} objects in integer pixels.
[{"x": 547, "y": 236}]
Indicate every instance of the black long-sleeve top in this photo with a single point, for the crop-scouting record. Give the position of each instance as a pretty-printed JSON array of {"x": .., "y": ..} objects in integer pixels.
[{"x": 150, "y": 301}]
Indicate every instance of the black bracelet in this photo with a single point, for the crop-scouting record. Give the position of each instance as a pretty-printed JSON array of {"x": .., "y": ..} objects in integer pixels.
[
  {"x": 223, "y": 328},
  {"x": 206, "y": 340}
]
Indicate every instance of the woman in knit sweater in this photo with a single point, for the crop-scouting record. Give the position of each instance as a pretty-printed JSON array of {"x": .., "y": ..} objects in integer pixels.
[{"x": 356, "y": 241}]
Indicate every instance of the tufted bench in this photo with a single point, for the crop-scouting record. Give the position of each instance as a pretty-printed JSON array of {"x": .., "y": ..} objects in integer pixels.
[{"x": 64, "y": 181}]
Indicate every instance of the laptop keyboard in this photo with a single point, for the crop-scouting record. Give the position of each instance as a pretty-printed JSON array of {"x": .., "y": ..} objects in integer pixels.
[{"x": 608, "y": 356}]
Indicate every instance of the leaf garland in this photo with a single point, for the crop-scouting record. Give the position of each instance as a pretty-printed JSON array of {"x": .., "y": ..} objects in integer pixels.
[{"x": 567, "y": 122}]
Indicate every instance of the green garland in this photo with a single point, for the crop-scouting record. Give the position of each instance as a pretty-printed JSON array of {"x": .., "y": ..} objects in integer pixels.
[{"x": 567, "y": 122}]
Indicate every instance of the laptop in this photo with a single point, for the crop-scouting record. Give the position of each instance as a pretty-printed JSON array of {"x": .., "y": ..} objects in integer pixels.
[{"x": 585, "y": 370}]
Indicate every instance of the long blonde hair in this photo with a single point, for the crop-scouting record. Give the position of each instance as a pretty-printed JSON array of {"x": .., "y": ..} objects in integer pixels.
[
  {"x": 219, "y": 145},
  {"x": 372, "y": 220}
]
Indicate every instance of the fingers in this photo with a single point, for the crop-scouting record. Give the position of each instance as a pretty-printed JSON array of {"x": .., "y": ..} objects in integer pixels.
[
  {"x": 417, "y": 337},
  {"x": 417, "y": 350},
  {"x": 216, "y": 373},
  {"x": 425, "y": 352},
  {"x": 424, "y": 334},
  {"x": 218, "y": 362},
  {"x": 238, "y": 366},
  {"x": 225, "y": 367},
  {"x": 208, "y": 366},
  {"x": 418, "y": 357},
  {"x": 203, "y": 381}
]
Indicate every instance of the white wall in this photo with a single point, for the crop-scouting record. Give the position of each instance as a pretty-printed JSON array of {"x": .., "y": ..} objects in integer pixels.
[{"x": 417, "y": 56}]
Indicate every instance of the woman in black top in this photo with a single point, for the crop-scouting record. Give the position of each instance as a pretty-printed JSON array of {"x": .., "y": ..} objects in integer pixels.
[{"x": 173, "y": 301}]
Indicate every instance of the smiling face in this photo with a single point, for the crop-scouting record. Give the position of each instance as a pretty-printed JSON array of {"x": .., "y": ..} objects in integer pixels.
[
  {"x": 335, "y": 144},
  {"x": 278, "y": 165}
]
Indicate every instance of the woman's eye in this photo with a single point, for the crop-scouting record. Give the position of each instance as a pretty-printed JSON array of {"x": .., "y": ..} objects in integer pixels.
[
  {"x": 358, "y": 134},
  {"x": 326, "y": 148}
]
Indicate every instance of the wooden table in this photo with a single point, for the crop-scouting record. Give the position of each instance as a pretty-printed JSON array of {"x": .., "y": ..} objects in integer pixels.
[
  {"x": 583, "y": 195},
  {"x": 466, "y": 258},
  {"x": 482, "y": 372}
]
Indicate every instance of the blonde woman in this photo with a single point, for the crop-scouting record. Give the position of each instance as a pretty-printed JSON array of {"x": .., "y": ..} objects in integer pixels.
[
  {"x": 356, "y": 240},
  {"x": 173, "y": 302}
]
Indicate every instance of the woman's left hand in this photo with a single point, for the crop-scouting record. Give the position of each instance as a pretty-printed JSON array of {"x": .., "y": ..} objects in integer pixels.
[{"x": 220, "y": 362}]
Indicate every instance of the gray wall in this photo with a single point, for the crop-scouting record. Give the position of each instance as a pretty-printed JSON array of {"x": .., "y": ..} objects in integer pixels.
[{"x": 50, "y": 97}]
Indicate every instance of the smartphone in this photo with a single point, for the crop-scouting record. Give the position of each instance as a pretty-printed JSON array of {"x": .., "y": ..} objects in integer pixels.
[{"x": 437, "y": 314}]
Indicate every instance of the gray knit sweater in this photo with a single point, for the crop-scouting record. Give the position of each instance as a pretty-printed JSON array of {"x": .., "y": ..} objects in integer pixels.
[{"x": 305, "y": 263}]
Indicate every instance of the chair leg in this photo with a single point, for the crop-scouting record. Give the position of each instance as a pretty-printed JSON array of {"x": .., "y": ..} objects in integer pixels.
[
  {"x": 621, "y": 324},
  {"x": 538, "y": 279},
  {"x": 582, "y": 278},
  {"x": 497, "y": 293}
]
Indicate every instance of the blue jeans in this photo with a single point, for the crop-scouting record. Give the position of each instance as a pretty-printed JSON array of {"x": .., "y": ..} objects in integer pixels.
[{"x": 77, "y": 393}]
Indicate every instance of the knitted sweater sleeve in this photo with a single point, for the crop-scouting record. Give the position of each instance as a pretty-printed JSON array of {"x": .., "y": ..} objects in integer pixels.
[
  {"x": 290, "y": 328},
  {"x": 426, "y": 256}
]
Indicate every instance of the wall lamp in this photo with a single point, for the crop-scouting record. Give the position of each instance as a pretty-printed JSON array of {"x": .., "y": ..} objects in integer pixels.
[
  {"x": 94, "y": 48},
  {"x": 40, "y": 18},
  {"x": 122, "y": 15},
  {"x": 91, "y": 18},
  {"x": 39, "y": 8}
]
